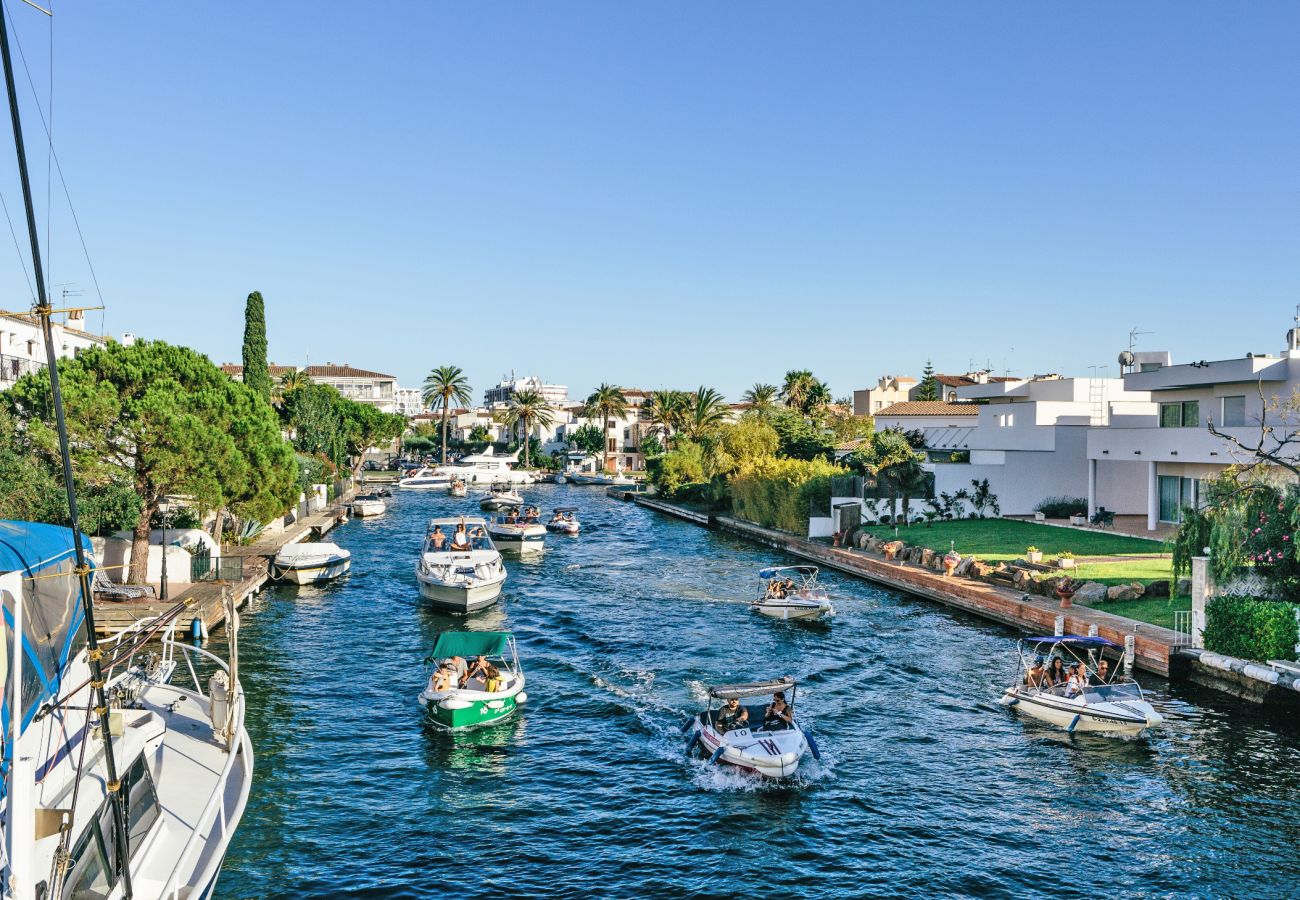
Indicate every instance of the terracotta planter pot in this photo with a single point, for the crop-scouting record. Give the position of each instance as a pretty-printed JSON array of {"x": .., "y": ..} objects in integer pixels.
[
  {"x": 948, "y": 567},
  {"x": 1066, "y": 598},
  {"x": 891, "y": 552}
]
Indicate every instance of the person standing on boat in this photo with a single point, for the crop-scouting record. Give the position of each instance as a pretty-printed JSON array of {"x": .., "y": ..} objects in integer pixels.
[
  {"x": 732, "y": 716},
  {"x": 778, "y": 713}
]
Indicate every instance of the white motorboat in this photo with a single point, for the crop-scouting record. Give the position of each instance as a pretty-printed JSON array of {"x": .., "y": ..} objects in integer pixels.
[
  {"x": 518, "y": 532},
  {"x": 1090, "y": 701},
  {"x": 485, "y": 698},
  {"x": 310, "y": 563},
  {"x": 367, "y": 505},
  {"x": 564, "y": 521},
  {"x": 181, "y": 756},
  {"x": 459, "y": 575},
  {"x": 487, "y": 467},
  {"x": 761, "y": 740},
  {"x": 425, "y": 479},
  {"x": 458, "y": 487},
  {"x": 585, "y": 469},
  {"x": 500, "y": 496},
  {"x": 784, "y": 598}
]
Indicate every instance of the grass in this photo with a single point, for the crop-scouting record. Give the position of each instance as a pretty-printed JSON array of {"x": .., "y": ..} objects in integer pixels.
[
  {"x": 1005, "y": 539},
  {"x": 1155, "y": 611},
  {"x": 1144, "y": 569}
]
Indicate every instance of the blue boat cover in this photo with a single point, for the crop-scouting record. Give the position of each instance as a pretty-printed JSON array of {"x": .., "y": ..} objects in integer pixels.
[
  {"x": 1080, "y": 639},
  {"x": 773, "y": 571},
  {"x": 52, "y": 611}
]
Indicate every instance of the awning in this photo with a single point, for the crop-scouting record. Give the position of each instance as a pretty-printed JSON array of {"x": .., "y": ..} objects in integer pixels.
[
  {"x": 752, "y": 689},
  {"x": 471, "y": 643},
  {"x": 773, "y": 571},
  {"x": 1079, "y": 639}
]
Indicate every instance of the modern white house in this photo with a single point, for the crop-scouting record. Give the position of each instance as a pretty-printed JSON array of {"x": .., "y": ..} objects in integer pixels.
[
  {"x": 22, "y": 345},
  {"x": 499, "y": 395},
  {"x": 1168, "y": 452},
  {"x": 408, "y": 401}
]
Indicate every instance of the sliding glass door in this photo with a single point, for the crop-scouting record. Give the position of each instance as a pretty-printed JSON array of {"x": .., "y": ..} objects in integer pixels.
[{"x": 1175, "y": 494}]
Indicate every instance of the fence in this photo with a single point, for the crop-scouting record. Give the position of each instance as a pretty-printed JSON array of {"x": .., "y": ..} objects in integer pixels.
[
  {"x": 1183, "y": 628},
  {"x": 14, "y": 367},
  {"x": 222, "y": 568}
]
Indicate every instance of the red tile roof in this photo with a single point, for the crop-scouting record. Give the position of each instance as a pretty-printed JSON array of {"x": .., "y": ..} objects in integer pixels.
[
  {"x": 930, "y": 408},
  {"x": 344, "y": 371},
  {"x": 233, "y": 369},
  {"x": 967, "y": 381}
]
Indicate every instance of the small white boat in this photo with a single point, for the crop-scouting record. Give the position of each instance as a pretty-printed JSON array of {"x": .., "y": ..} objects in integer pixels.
[
  {"x": 500, "y": 496},
  {"x": 518, "y": 532},
  {"x": 458, "y": 488},
  {"x": 784, "y": 598},
  {"x": 762, "y": 741},
  {"x": 487, "y": 467},
  {"x": 310, "y": 563},
  {"x": 367, "y": 505},
  {"x": 564, "y": 521},
  {"x": 462, "y": 578},
  {"x": 1097, "y": 703},
  {"x": 426, "y": 479},
  {"x": 482, "y": 700}
]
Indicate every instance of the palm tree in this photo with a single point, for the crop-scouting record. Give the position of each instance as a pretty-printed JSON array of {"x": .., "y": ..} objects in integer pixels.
[
  {"x": 444, "y": 385},
  {"x": 528, "y": 407},
  {"x": 290, "y": 381},
  {"x": 707, "y": 409},
  {"x": 761, "y": 399},
  {"x": 606, "y": 402},
  {"x": 804, "y": 391},
  {"x": 666, "y": 410}
]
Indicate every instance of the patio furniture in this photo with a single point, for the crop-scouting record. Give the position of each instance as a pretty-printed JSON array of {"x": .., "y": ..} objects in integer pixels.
[{"x": 1103, "y": 518}]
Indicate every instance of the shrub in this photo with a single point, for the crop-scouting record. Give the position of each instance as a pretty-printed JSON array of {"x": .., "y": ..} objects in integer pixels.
[
  {"x": 1062, "y": 507},
  {"x": 1251, "y": 628},
  {"x": 779, "y": 493}
]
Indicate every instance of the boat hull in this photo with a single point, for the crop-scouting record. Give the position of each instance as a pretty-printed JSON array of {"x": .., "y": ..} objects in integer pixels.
[
  {"x": 769, "y": 760},
  {"x": 780, "y": 609},
  {"x": 460, "y": 598},
  {"x": 454, "y": 714},
  {"x": 312, "y": 574},
  {"x": 563, "y": 527},
  {"x": 366, "y": 508},
  {"x": 1126, "y": 718},
  {"x": 530, "y": 545}
]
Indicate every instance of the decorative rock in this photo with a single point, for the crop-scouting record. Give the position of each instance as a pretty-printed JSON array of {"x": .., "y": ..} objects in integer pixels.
[
  {"x": 1091, "y": 593},
  {"x": 1049, "y": 585},
  {"x": 1022, "y": 580},
  {"x": 964, "y": 567},
  {"x": 927, "y": 558},
  {"x": 1125, "y": 592},
  {"x": 1183, "y": 588},
  {"x": 1157, "y": 589},
  {"x": 979, "y": 569}
]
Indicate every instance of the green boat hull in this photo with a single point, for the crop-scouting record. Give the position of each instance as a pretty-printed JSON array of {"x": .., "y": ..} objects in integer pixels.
[{"x": 477, "y": 714}]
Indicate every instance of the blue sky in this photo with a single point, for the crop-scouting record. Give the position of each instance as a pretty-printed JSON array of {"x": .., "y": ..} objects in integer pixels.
[{"x": 673, "y": 194}]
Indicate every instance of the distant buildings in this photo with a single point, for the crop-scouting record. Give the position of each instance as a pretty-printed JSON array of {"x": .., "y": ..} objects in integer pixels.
[
  {"x": 890, "y": 389},
  {"x": 500, "y": 394},
  {"x": 372, "y": 388},
  {"x": 22, "y": 345}
]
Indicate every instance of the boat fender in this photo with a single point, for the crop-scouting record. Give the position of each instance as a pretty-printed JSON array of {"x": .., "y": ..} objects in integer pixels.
[
  {"x": 198, "y": 629},
  {"x": 521, "y": 697},
  {"x": 495, "y": 704},
  {"x": 717, "y": 754},
  {"x": 690, "y": 745},
  {"x": 688, "y": 723},
  {"x": 812, "y": 745},
  {"x": 1073, "y": 723}
]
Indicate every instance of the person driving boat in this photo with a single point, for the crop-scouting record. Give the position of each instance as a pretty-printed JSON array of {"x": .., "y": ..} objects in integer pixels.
[{"x": 732, "y": 716}]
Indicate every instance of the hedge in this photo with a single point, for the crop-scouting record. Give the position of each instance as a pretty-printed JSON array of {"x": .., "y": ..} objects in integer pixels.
[
  {"x": 1251, "y": 628},
  {"x": 1062, "y": 507},
  {"x": 778, "y": 493}
]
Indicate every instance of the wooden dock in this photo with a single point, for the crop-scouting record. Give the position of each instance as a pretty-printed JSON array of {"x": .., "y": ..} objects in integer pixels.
[{"x": 204, "y": 599}]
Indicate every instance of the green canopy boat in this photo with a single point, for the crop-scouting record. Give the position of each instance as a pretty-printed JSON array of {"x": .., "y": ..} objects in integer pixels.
[{"x": 476, "y": 679}]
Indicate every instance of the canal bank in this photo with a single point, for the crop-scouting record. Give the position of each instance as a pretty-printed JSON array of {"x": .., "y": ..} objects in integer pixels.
[{"x": 1152, "y": 645}]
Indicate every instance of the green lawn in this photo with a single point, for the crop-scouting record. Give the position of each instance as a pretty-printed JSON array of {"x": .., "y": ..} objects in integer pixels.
[
  {"x": 1147, "y": 568},
  {"x": 1155, "y": 611},
  {"x": 998, "y": 539}
]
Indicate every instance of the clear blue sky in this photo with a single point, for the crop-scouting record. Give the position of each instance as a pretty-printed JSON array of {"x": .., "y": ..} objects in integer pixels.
[{"x": 668, "y": 194}]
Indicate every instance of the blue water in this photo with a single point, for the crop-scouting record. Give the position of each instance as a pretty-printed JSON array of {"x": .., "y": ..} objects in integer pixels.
[{"x": 927, "y": 786}]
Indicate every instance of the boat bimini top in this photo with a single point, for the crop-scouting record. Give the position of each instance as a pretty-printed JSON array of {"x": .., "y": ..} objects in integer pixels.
[
  {"x": 453, "y": 521},
  {"x": 565, "y": 509},
  {"x": 752, "y": 689},
  {"x": 807, "y": 573},
  {"x": 468, "y": 644}
]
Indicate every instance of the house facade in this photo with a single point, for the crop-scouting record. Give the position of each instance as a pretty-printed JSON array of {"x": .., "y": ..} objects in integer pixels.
[
  {"x": 499, "y": 395},
  {"x": 889, "y": 389},
  {"x": 22, "y": 345}
]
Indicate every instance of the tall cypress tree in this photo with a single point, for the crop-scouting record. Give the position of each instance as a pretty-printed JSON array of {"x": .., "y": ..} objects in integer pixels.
[
  {"x": 928, "y": 389},
  {"x": 256, "y": 374}
]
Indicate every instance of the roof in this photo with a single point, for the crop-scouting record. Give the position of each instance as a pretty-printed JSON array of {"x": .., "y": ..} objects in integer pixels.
[
  {"x": 930, "y": 408},
  {"x": 272, "y": 369},
  {"x": 850, "y": 446},
  {"x": 966, "y": 380},
  {"x": 751, "y": 689},
  {"x": 344, "y": 371},
  {"x": 470, "y": 643},
  {"x": 71, "y": 329}
]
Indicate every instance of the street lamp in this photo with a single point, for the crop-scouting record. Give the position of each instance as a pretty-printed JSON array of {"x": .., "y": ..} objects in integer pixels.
[{"x": 164, "y": 511}]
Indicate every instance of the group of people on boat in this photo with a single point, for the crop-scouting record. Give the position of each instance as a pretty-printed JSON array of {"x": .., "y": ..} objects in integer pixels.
[
  {"x": 462, "y": 538},
  {"x": 1071, "y": 680},
  {"x": 778, "y": 715},
  {"x": 780, "y": 588},
  {"x": 528, "y": 515},
  {"x": 561, "y": 516},
  {"x": 455, "y": 673}
]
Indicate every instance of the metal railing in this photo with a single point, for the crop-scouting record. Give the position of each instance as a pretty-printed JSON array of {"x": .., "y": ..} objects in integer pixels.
[
  {"x": 221, "y": 568},
  {"x": 14, "y": 367},
  {"x": 1183, "y": 628}
]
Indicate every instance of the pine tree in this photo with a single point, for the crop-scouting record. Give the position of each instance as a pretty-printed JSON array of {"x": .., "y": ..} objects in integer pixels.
[
  {"x": 928, "y": 389},
  {"x": 256, "y": 373}
]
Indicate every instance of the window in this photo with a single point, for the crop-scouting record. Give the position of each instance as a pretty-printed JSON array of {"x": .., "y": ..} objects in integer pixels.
[
  {"x": 1186, "y": 414},
  {"x": 1176, "y": 494},
  {"x": 1234, "y": 412},
  {"x": 1148, "y": 366}
]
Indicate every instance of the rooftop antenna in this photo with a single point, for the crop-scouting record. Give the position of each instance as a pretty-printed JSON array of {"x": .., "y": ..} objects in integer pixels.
[{"x": 1133, "y": 335}]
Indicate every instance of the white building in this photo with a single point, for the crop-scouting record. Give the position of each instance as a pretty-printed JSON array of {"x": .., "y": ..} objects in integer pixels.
[
  {"x": 373, "y": 388},
  {"x": 408, "y": 401},
  {"x": 499, "y": 395},
  {"x": 22, "y": 345},
  {"x": 889, "y": 389},
  {"x": 1166, "y": 453}
]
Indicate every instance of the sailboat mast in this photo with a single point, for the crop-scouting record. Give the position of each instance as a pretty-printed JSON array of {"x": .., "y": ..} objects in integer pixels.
[{"x": 43, "y": 312}]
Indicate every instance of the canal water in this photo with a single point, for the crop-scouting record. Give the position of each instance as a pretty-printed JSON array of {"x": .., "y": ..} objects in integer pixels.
[{"x": 927, "y": 786}]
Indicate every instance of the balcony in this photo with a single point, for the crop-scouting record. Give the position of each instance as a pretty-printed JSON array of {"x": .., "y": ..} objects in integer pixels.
[
  {"x": 14, "y": 367},
  {"x": 1187, "y": 445},
  {"x": 1224, "y": 371}
]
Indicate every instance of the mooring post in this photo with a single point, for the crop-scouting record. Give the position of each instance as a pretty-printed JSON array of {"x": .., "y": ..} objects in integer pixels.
[
  {"x": 1130, "y": 651},
  {"x": 1060, "y": 625},
  {"x": 1092, "y": 630},
  {"x": 1202, "y": 591}
]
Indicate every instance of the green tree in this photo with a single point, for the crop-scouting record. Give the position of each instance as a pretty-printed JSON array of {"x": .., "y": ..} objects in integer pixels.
[
  {"x": 526, "y": 408},
  {"x": 443, "y": 386},
  {"x": 805, "y": 392},
  {"x": 166, "y": 421},
  {"x": 706, "y": 410},
  {"x": 589, "y": 439},
  {"x": 667, "y": 411},
  {"x": 800, "y": 438},
  {"x": 605, "y": 403},
  {"x": 929, "y": 388},
  {"x": 256, "y": 373},
  {"x": 289, "y": 381},
  {"x": 365, "y": 427},
  {"x": 762, "y": 400}
]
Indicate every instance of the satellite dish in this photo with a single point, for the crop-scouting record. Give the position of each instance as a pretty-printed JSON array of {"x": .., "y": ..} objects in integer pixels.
[{"x": 1126, "y": 358}]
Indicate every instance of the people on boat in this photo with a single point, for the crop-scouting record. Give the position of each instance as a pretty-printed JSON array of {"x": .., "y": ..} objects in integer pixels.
[
  {"x": 1036, "y": 676},
  {"x": 458, "y": 670},
  {"x": 1102, "y": 675},
  {"x": 1056, "y": 674},
  {"x": 477, "y": 669},
  {"x": 443, "y": 678},
  {"x": 491, "y": 679},
  {"x": 558, "y": 517},
  {"x": 732, "y": 716},
  {"x": 478, "y": 538},
  {"x": 776, "y": 589},
  {"x": 1077, "y": 681},
  {"x": 437, "y": 540},
  {"x": 788, "y": 588},
  {"x": 460, "y": 540},
  {"x": 778, "y": 714}
]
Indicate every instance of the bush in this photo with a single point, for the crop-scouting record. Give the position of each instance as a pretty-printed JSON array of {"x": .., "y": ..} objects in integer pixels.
[
  {"x": 1062, "y": 507},
  {"x": 779, "y": 493},
  {"x": 1251, "y": 628}
]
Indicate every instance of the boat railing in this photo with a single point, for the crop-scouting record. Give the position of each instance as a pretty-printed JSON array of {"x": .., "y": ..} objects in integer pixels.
[{"x": 214, "y": 811}]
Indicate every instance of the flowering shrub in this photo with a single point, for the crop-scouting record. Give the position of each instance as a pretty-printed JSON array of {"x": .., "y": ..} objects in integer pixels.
[{"x": 1271, "y": 517}]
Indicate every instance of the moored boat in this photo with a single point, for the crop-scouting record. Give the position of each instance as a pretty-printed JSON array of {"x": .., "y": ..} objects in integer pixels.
[
  {"x": 1090, "y": 698},
  {"x": 425, "y": 479},
  {"x": 564, "y": 521},
  {"x": 492, "y": 685},
  {"x": 782, "y": 597},
  {"x": 761, "y": 738},
  {"x": 455, "y": 576},
  {"x": 458, "y": 487},
  {"x": 310, "y": 563},
  {"x": 368, "y": 505},
  {"x": 487, "y": 467}
]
